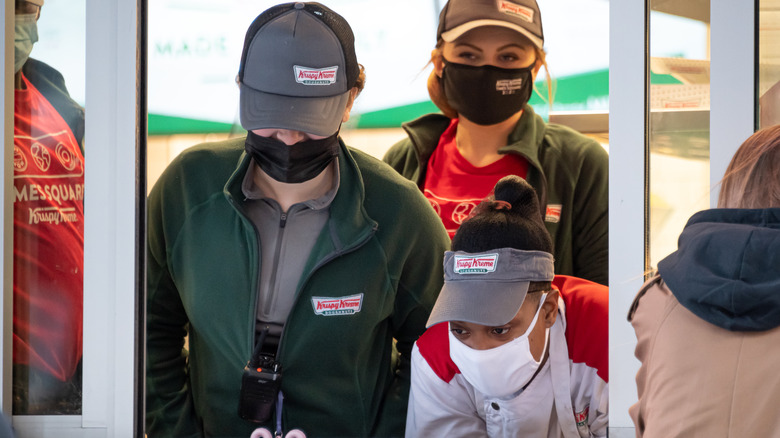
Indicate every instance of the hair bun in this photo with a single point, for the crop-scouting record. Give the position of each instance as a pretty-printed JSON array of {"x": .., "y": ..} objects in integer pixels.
[
  {"x": 510, "y": 218},
  {"x": 517, "y": 192}
]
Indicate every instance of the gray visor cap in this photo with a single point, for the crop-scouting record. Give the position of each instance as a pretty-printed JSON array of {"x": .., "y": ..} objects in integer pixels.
[
  {"x": 488, "y": 288},
  {"x": 280, "y": 88}
]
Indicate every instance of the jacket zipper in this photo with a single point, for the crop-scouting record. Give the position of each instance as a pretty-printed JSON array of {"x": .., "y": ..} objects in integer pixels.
[
  {"x": 542, "y": 180},
  {"x": 253, "y": 320},
  {"x": 272, "y": 283},
  {"x": 321, "y": 263}
]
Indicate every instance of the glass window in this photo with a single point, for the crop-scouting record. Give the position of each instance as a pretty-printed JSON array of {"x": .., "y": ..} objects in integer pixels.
[
  {"x": 48, "y": 207},
  {"x": 769, "y": 63},
  {"x": 193, "y": 65},
  {"x": 679, "y": 119}
]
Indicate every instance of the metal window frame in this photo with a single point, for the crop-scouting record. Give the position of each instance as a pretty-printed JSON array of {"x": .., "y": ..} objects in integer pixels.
[
  {"x": 6, "y": 303},
  {"x": 733, "y": 81},
  {"x": 627, "y": 194}
]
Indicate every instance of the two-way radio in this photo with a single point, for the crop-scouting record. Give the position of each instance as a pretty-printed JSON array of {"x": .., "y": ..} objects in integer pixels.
[{"x": 260, "y": 384}]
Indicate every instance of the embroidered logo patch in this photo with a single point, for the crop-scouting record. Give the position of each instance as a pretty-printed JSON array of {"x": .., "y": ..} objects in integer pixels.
[
  {"x": 582, "y": 417},
  {"x": 481, "y": 264},
  {"x": 553, "y": 213},
  {"x": 510, "y": 8},
  {"x": 332, "y": 306},
  {"x": 315, "y": 76},
  {"x": 509, "y": 86}
]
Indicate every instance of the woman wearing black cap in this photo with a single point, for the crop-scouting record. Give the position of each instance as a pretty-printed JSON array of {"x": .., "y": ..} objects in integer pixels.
[
  {"x": 486, "y": 58},
  {"x": 512, "y": 350}
]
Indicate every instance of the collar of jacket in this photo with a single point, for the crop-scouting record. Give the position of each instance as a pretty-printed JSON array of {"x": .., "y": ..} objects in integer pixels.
[
  {"x": 349, "y": 224},
  {"x": 525, "y": 139}
]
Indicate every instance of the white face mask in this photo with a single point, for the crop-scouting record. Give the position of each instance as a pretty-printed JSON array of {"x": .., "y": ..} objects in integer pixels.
[
  {"x": 26, "y": 34},
  {"x": 499, "y": 372}
]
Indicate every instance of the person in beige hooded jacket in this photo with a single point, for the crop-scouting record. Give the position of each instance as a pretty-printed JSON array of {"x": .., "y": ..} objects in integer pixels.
[{"x": 708, "y": 324}]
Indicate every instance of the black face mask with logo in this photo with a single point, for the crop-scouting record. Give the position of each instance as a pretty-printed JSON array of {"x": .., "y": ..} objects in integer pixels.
[
  {"x": 295, "y": 163},
  {"x": 486, "y": 94}
]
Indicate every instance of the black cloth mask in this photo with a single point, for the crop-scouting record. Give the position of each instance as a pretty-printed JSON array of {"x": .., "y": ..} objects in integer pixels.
[
  {"x": 295, "y": 163},
  {"x": 486, "y": 94}
]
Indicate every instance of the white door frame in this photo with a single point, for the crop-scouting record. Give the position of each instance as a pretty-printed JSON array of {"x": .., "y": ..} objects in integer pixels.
[
  {"x": 627, "y": 139},
  {"x": 733, "y": 67}
]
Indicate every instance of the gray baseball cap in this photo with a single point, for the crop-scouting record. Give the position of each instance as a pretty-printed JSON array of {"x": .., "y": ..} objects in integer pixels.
[
  {"x": 488, "y": 288},
  {"x": 460, "y": 16},
  {"x": 297, "y": 68}
]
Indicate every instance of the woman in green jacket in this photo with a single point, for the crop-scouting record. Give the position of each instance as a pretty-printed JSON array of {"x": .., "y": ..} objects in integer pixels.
[{"x": 486, "y": 59}]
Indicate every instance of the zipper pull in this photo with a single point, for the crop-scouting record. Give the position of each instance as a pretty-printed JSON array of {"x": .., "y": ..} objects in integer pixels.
[{"x": 282, "y": 220}]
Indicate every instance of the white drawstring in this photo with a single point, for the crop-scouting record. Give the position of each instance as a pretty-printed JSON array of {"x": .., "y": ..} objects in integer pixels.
[{"x": 265, "y": 433}]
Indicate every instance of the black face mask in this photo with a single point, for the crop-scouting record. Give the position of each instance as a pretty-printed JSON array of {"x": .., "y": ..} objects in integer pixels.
[
  {"x": 487, "y": 95},
  {"x": 292, "y": 164}
]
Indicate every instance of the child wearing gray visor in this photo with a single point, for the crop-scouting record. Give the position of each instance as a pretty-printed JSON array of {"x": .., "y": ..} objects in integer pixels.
[{"x": 511, "y": 349}]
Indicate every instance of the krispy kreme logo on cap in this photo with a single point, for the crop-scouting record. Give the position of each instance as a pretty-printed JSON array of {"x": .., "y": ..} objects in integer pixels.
[
  {"x": 510, "y": 8},
  {"x": 315, "y": 76},
  {"x": 479, "y": 264}
]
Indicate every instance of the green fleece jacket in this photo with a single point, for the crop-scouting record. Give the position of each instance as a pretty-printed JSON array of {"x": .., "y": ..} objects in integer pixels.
[
  {"x": 382, "y": 243},
  {"x": 567, "y": 169}
]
